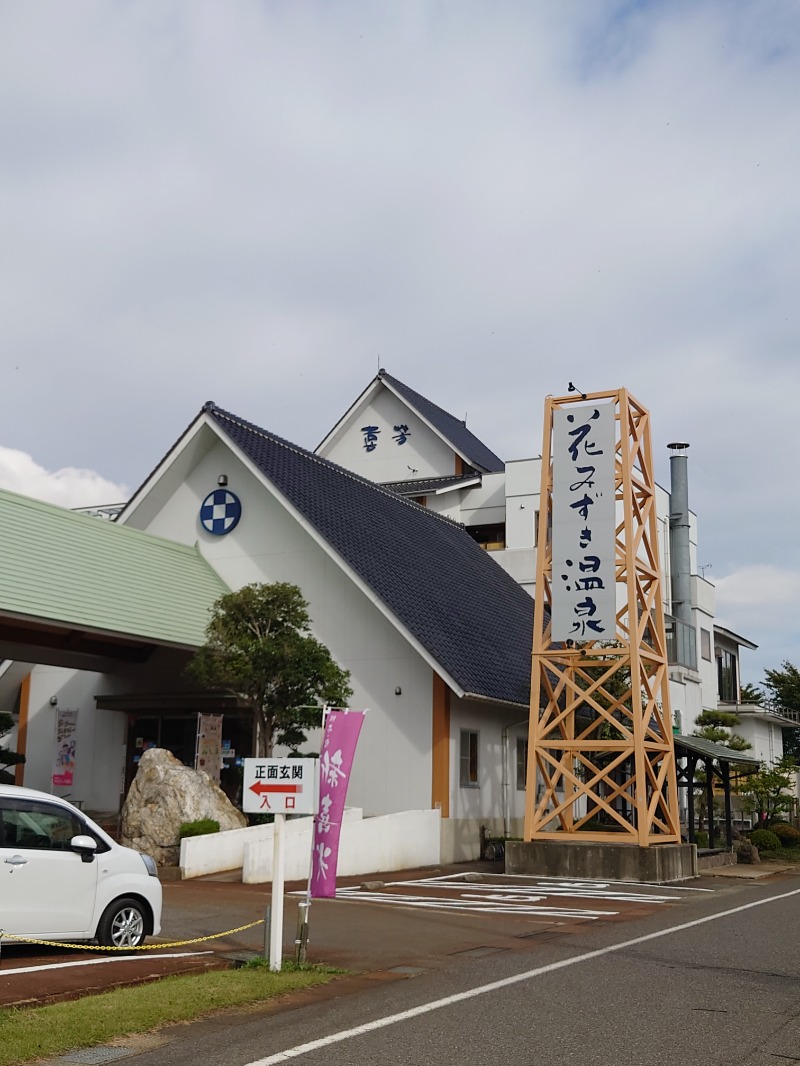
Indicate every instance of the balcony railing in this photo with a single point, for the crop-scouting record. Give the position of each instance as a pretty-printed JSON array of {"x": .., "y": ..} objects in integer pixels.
[{"x": 681, "y": 643}]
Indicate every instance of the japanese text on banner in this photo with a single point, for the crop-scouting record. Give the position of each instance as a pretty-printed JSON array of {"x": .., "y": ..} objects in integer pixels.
[{"x": 583, "y": 587}]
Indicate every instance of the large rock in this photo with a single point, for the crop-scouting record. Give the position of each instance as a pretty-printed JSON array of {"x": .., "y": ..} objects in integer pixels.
[{"x": 164, "y": 794}]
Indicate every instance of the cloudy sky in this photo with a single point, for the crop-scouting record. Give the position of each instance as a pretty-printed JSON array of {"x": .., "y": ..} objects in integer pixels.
[{"x": 260, "y": 202}]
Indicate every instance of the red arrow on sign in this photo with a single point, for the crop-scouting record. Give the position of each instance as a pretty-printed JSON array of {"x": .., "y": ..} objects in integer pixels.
[{"x": 260, "y": 788}]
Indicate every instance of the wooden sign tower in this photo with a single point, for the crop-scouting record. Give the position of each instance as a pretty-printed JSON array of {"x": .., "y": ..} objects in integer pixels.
[{"x": 601, "y": 762}]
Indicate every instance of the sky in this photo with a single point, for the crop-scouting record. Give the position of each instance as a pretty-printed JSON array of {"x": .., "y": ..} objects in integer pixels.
[{"x": 260, "y": 203}]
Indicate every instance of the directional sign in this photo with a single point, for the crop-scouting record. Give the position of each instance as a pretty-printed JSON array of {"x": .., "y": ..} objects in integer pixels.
[{"x": 279, "y": 786}]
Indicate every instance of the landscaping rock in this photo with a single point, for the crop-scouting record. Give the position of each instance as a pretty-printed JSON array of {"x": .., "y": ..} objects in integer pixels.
[
  {"x": 748, "y": 853},
  {"x": 163, "y": 796}
]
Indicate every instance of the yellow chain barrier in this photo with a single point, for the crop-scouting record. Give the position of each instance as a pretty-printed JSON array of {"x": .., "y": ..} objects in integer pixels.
[{"x": 141, "y": 947}]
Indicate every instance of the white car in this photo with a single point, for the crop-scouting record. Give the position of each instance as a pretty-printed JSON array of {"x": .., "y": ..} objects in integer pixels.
[{"x": 62, "y": 878}]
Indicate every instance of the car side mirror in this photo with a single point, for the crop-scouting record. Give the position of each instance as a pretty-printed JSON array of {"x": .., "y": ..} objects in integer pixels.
[{"x": 85, "y": 846}]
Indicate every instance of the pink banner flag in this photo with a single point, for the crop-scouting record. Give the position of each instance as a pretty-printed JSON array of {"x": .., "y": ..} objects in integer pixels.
[{"x": 335, "y": 762}]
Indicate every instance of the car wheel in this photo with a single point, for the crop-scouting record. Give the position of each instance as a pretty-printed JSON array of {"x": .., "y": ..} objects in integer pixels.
[{"x": 123, "y": 924}]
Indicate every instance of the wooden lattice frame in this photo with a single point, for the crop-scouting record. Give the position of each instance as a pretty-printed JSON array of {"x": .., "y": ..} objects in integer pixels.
[{"x": 600, "y": 723}]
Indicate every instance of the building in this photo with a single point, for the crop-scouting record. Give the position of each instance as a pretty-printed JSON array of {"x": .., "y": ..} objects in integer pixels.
[{"x": 414, "y": 545}]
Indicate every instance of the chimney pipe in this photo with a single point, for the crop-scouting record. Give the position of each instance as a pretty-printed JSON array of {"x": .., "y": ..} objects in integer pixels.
[{"x": 679, "y": 543}]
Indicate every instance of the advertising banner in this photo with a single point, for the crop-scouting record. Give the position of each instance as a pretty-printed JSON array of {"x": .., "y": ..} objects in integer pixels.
[
  {"x": 583, "y": 588},
  {"x": 64, "y": 765},
  {"x": 208, "y": 750},
  {"x": 342, "y": 728}
]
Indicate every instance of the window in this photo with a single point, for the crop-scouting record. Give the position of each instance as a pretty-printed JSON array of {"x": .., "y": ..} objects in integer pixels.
[
  {"x": 29, "y": 824},
  {"x": 681, "y": 643},
  {"x": 727, "y": 677},
  {"x": 522, "y": 763},
  {"x": 705, "y": 644},
  {"x": 491, "y": 538},
  {"x": 468, "y": 776}
]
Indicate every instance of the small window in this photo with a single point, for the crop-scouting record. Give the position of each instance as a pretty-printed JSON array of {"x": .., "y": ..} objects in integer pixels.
[
  {"x": 491, "y": 538},
  {"x": 536, "y": 529},
  {"x": 522, "y": 763},
  {"x": 468, "y": 777},
  {"x": 705, "y": 644}
]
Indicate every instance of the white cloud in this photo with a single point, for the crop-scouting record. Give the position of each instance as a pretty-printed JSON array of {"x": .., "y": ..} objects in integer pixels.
[
  {"x": 760, "y": 602},
  {"x": 68, "y": 487},
  {"x": 757, "y": 587}
]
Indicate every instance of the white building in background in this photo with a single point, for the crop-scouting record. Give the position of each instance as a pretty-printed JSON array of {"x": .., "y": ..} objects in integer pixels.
[{"x": 393, "y": 435}]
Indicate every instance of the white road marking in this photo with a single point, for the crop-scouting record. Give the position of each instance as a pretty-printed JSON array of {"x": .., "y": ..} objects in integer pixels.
[
  {"x": 506, "y": 982},
  {"x": 495, "y": 897},
  {"x": 7, "y": 971},
  {"x": 469, "y": 902},
  {"x": 574, "y": 889},
  {"x": 466, "y": 902}
]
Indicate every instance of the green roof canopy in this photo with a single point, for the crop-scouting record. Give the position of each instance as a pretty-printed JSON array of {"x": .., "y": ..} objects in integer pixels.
[
  {"x": 89, "y": 574},
  {"x": 709, "y": 750}
]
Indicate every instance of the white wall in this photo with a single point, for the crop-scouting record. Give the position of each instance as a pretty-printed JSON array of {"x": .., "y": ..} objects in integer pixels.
[
  {"x": 424, "y": 453},
  {"x": 392, "y": 770},
  {"x": 765, "y": 737},
  {"x": 101, "y": 735},
  {"x": 394, "y": 842}
]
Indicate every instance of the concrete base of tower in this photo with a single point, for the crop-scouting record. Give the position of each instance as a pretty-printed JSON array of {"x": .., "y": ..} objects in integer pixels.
[{"x": 607, "y": 862}]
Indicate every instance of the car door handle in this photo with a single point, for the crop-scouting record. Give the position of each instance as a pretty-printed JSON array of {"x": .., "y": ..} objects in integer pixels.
[{"x": 16, "y": 860}]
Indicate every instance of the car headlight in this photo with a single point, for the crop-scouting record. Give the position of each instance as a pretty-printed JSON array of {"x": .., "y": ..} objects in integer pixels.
[{"x": 150, "y": 864}]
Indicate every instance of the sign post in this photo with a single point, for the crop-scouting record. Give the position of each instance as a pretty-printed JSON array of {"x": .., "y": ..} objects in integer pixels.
[
  {"x": 278, "y": 787},
  {"x": 278, "y": 871}
]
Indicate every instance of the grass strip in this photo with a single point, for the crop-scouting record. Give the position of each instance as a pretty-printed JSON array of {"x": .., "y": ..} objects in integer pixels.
[{"x": 41, "y": 1032}]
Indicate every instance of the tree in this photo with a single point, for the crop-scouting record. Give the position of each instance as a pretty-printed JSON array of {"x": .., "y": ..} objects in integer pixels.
[
  {"x": 768, "y": 791},
  {"x": 783, "y": 694},
  {"x": 750, "y": 693},
  {"x": 259, "y": 648},
  {"x": 716, "y": 726},
  {"x": 7, "y": 758}
]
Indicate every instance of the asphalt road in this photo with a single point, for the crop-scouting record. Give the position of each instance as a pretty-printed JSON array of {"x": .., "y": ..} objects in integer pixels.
[{"x": 708, "y": 978}]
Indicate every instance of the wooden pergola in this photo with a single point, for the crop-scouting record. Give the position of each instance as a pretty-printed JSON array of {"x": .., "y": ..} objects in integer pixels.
[{"x": 716, "y": 761}]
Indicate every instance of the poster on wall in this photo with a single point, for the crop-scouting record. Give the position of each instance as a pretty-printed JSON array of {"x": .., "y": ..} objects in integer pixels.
[
  {"x": 583, "y": 589},
  {"x": 66, "y": 734},
  {"x": 208, "y": 752}
]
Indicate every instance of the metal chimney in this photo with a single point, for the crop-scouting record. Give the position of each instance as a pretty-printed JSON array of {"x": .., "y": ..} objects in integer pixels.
[{"x": 679, "y": 546}]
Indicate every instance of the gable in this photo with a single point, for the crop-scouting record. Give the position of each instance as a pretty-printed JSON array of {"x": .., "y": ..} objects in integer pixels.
[
  {"x": 472, "y": 618},
  {"x": 370, "y": 440}
]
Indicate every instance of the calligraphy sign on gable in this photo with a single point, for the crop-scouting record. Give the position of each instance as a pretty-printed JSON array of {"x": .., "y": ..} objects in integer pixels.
[{"x": 583, "y": 589}]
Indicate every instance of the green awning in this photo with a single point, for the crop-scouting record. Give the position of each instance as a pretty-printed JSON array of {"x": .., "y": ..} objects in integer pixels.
[
  {"x": 709, "y": 750},
  {"x": 93, "y": 575}
]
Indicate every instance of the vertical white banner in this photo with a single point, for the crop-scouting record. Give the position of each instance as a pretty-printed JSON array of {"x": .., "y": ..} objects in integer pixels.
[
  {"x": 583, "y": 587},
  {"x": 66, "y": 735}
]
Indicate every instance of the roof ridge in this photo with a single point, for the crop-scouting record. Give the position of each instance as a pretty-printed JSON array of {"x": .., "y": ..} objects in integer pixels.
[
  {"x": 321, "y": 461},
  {"x": 450, "y": 426}
]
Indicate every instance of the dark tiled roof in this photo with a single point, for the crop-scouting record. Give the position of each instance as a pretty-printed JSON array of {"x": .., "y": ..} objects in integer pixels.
[
  {"x": 451, "y": 428},
  {"x": 473, "y": 619},
  {"x": 425, "y": 485}
]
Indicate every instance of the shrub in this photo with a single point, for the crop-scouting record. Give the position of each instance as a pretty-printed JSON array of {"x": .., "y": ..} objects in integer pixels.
[
  {"x": 198, "y": 828},
  {"x": 765, "y": 840},
  {"x": 787, "y": 834}
]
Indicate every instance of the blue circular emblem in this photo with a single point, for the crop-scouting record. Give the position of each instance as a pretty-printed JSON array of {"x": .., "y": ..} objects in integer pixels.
[{"x": 220, "y": 512}]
